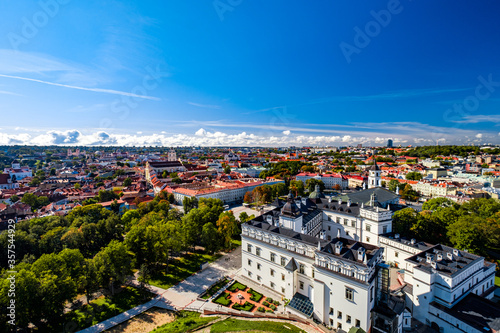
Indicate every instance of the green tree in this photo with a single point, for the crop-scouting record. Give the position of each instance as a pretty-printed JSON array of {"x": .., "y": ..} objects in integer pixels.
[
  {"x": 113, "y": 264},
  {"x": 227, "y": 227},
  {"x": 227, "y": 169},
  {"x": 210, "y": 238},
  {"x": 312, "y": 182},
  {"x": 414, "y": 175},
  {"x": 297, "y": 187},
  {"x": 393, "y": 184},
  {"x": 189, "y": 203}
]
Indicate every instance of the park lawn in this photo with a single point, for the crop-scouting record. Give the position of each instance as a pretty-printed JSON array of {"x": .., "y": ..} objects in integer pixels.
[
  {"x": 180, "y": 268},
  {"x": 187, "y": 320},
  {"x": 497, "y": 281},
  {"x": 106, "y": 307},
  {"x": 236, "y": 325}
]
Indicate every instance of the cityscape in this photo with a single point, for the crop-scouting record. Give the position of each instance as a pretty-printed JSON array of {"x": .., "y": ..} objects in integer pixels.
[{"x": 236, "y": 166}]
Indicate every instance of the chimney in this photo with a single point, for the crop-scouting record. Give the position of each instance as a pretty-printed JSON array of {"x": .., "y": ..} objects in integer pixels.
[
  {"x": 303, "y": 230},
  {"x": 338, "y": 247},
  {"x": 449, "y": 255},
  {"x": 319, "y": 246},
  {"x": 455, "y": 252},
  {"x": 439, "y": 257},
  {"x": 433, "y": 264},
  {"x": 329, "y": 199},
  {"x": 413, "y": 241},
  {"x": 338, "y": 233},
  {"x": 349, "y": 203},
  {"x": 322, "y": 235},
  {"x": 428, "y": 257},
  {"x": 340, "y": 201},
  {"x": 396, "y": 236}
]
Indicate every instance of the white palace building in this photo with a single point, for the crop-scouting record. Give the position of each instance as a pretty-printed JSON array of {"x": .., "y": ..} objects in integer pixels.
[{"x": 331, "y": 259}]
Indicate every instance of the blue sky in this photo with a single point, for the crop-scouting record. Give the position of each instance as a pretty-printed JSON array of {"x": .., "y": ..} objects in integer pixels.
[{"x": 240, "y": 72}]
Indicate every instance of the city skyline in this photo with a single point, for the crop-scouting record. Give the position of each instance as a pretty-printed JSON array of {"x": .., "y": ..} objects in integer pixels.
[{"x": 241, "y": 73}]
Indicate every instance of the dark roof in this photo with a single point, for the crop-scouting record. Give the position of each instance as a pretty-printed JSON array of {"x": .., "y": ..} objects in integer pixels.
[
  {"x": 292, "y": 265},
  {"x": 374, "y": 167},
  {"x": 165, "y": 164},
  {"x": 383, "y": 196},
  {"x": 476, "y": 311},
  {"x": 446, "y": 266}
]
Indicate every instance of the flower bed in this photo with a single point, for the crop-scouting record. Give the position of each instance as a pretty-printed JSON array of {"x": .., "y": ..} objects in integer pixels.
[
  {"x": 256, "y": 296},
  {"x": 245, "y": 307},
  {"x": 223, "y": 299},
  {"x": 237, "y": 286}
]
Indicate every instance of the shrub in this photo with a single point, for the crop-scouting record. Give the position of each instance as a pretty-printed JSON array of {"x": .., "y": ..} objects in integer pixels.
[
  {"x": 265, "y": 303},
  {"x": 272, "y": 307},
  {"x": 269, "y": 300},
  {"x": 245, "y": 307},
  {"x": 256, "y": 296},
  {"x": 270, "y": 311},
  {"x": 237, "y": 286},
  {"x": 261, "y": 309},
  {"x": 223, "y": 299},
  {"x": 276, "y": 303}
]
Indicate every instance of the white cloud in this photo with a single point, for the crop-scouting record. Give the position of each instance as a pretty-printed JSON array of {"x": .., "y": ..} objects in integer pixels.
[
  {"x": 206, "y": 106},
  {"x": 287, "y": 132},
  {"x": 479, "y": 135}
]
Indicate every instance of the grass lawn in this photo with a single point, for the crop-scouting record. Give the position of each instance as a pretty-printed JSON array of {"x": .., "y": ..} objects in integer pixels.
[
  {"x": 236, "y": 325},
  {"x": 497, "y": 281},
  {"x": 187, "y": 320},
  {"x": 215, "y": 288},
  {"x": 237, "y": 285},
  {"x": 106, "y": 307},
  {"x": 180, "y": 269},
  {"x": 223, "y": 299}
]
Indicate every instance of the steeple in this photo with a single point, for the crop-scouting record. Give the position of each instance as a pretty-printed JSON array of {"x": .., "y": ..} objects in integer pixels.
[{"x": 374, "y": 175}]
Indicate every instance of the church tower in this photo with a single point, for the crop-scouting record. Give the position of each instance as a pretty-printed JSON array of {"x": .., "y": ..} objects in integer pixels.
[{"x": 374, "y": 176}]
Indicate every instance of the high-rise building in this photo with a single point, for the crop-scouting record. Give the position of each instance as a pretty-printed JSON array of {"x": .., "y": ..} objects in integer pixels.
[{"x": 389, "y": 143}]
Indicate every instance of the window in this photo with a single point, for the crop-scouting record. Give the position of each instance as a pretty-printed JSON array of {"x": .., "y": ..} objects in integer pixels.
[
  {"x": 368, "y": 227},
  {"x": 358, "y": 323},
  {"x": 348, "y": 319},
  {"x": 312, "y": 272},
  {"x": 371, "y": 294},
  {"x": 346, "y": 221},
  {"x": 249, "y": 273},
  {"x": 331, "y": 311},
  {"x": 396, "y": 254},
  {"x": 367, "y": 239},
  {"x": 272, "y": 272},
  {"x": 353, "y": 223},
  {"x": 282, "y": 290},
  {"x": 273, "y": 285},
  {"x": 259, "y": 266},
  {"x": 283, "y": 261},
  {"x": 273, "y": 257},
  {"x": 249, "y": 262},
  {"x": 339, "y": 314},
  {"x": 329, "y": 237},
  {"x": 338, "y": 219},
  {"x": 259, "y": 278},
  {"x": 384, "y": 229},
  {"x": 347, "y": 233},
  {"x": 339, "y": 326},
  {"x": 301, "y": 269},
  {"x": 257, "y": 251},
  {"x": 282, "y": 277},
  {"x": 301, "y": 285},
  {"x": 249, "y": 248},
  {"x": 329, "y": 228},
  {"x": 349, "y": 294}
]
